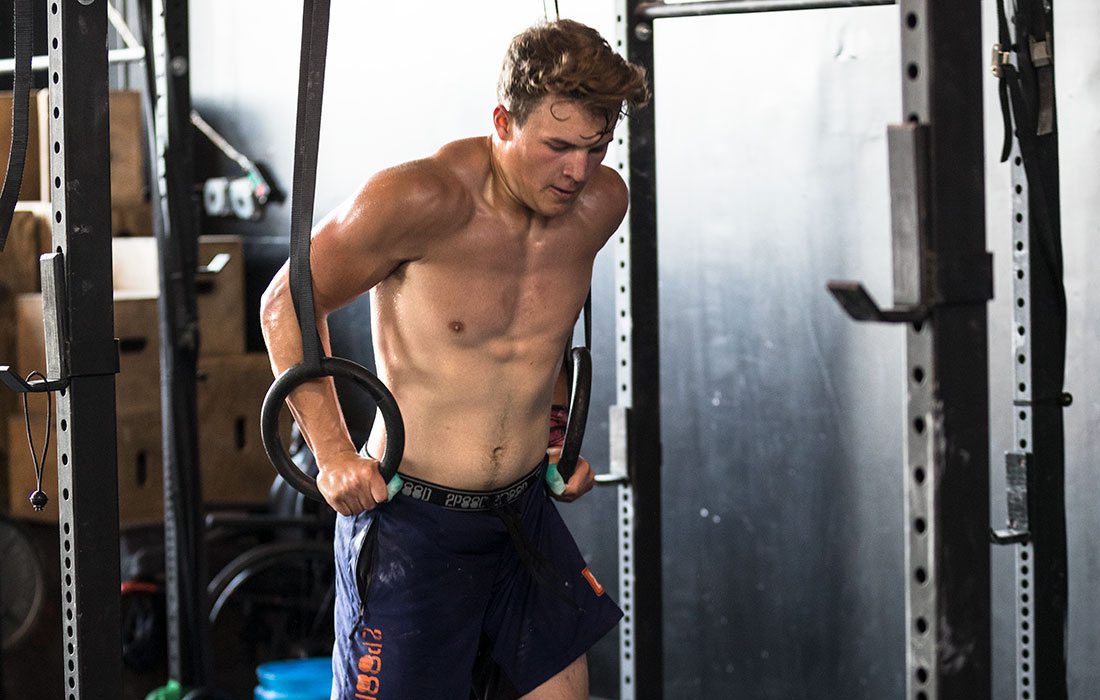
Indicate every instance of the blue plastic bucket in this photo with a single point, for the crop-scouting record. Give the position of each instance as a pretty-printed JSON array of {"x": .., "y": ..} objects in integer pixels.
[{"x": 297, "y": 679}]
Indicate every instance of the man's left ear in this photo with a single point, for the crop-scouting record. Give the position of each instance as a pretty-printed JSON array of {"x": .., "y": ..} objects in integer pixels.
[{"x": 502, "y": 123}]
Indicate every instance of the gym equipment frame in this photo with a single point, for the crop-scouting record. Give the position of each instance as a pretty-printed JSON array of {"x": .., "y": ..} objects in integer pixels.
[
  {"x": 168, "y": 94},
  {"x": 942, "y": 284},
  {"x": 85, "y": 351},
  {"x": 82, "y": 355},
  {"x": 1035, "y": 469},
  {"x": 943, "y": 281}
]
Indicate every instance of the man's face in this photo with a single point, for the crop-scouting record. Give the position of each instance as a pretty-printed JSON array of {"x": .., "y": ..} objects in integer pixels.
[{"x": 551, "y": 158}]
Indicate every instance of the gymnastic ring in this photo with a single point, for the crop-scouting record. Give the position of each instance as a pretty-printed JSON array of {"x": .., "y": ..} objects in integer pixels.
[
  {"x": 299, "y": 374},
  {"x": 578, "y": 415}
]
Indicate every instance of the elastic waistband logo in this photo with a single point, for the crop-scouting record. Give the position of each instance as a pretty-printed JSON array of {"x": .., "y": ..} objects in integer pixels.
[{"x": 463, "y": 501}]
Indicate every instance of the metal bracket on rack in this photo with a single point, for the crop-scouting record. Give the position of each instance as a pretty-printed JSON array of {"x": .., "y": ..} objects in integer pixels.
[
  {"x": 55, "y": 322},
  {"x": 1017, "y": 465}
]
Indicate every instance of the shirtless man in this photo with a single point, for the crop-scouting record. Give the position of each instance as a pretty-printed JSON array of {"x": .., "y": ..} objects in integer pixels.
[{"x": 478, "y": 260}]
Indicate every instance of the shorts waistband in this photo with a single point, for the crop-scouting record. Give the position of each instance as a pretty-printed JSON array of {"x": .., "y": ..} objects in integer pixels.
[{"x": 458, "y": 499}]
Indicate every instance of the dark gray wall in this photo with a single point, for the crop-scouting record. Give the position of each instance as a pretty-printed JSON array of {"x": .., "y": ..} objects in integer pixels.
[{"x": 782, "y": 419}]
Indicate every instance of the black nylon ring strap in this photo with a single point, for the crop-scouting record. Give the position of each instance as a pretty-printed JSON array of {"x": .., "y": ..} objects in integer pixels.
[
  {"x": 23, "y": 21},
  {"x": 307, "y": 137},
  {"x": 315, "y": 365},
  {"x": 1004, "y": 46},
  {"x": 580, "y": 359},
  {"x": 1026, "y": 121}
]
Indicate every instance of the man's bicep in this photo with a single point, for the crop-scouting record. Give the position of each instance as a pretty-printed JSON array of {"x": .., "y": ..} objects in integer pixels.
[
  {"x": 354, "y": 248},
  {"x": 387, "y": 223},
  {"x": 343, "y": 270}
]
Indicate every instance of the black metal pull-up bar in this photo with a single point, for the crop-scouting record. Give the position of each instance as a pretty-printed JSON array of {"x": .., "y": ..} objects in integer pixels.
[{"x": 661, "y": 10}]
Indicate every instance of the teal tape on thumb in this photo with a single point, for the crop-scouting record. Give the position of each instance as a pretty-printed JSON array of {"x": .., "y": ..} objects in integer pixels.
[
  {"x": 394, "y": 486},
  {"x": 554, "y": 480},
  {"x": 172, "y": 691}
]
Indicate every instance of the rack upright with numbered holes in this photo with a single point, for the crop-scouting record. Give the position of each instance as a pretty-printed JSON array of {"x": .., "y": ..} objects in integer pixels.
[
  {"x": 86, "y": 352},
  {"x": 1023, "y": 62},
  {"x": 168, "y": 74}
]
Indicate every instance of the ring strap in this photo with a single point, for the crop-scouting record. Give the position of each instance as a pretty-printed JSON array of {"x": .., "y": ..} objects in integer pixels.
[
  {"x": 23, "y": 18},
  {"x": 311, "y": 84}
]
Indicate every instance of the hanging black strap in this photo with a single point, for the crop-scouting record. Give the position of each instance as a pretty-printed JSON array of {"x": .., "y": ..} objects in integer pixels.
[
  {"x": 1034, "y": 37},
  {"x": 578, "y": 364},
  {"x": 23, "y": 21},
  {"x": 1027, "y": 119},
  {"x": 315, "y": 364},
  {"x": 311, "y": 83},
  {"x": 1000, "y": 51}
]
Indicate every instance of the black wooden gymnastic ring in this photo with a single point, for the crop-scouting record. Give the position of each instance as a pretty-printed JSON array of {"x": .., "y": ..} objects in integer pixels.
[
  {"x": 297, "y": 375},
  {"x": 578, "y": 412}
]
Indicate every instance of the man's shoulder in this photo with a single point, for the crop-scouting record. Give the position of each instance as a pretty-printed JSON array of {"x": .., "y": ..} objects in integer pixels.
[
  {"x": 462, "y": 164},
  {"x": 611, "y": 186},
  {"x": 435, "y": 186},
  {"x": 464, "y": 154},
  {"x": 605, "y": 201}
]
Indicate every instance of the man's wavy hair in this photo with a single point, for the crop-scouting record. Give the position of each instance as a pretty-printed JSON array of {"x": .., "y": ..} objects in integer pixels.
[{"x": 568, "y": 59}]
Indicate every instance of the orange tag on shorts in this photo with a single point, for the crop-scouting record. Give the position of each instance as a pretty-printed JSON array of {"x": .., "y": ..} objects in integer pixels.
[{"x": 587, "y": 573}]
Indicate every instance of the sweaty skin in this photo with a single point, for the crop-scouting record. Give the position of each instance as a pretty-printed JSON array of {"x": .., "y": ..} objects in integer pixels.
[{"x": 478, "y": 260}]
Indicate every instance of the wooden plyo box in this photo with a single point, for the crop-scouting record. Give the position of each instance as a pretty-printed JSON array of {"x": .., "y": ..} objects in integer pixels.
[
  {"x": 131, "y": 219},
  {"x": 137, "y": 385},
  {"x": 220, "y": 295},
  {"x": 28, "y": 238},
  {"x": 235, "y": 468},
  {"x": 28, "y": 188},
  {"x": 140, "y": 472},
  {"x": 8, "y": 399},
  {"x": 130, "y": 211},
  {"x": 127, "y": 163}
]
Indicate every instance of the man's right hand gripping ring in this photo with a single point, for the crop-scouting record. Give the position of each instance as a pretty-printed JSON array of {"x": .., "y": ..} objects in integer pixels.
[{"x": 297, "y": 375}]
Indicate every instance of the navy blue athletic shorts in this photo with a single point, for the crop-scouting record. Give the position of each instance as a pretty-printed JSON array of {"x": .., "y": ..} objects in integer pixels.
[{"x": 427, "y": 580}]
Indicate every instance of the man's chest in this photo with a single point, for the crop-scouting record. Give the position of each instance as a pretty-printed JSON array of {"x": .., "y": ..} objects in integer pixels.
[{"x": 482, "y": 287}]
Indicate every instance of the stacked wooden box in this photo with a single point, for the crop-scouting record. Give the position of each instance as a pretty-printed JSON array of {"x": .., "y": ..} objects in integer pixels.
[
  {"x": 232, "y": 383},
  {"x": 130, "y": 210},
  {"x": 28, "y": 238}
]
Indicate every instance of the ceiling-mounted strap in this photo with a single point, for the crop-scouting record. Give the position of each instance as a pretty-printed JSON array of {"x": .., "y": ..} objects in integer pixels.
[
  {"x": 314, "y": 364},
  {"x": 1001, "y": 57},
  {"x": 1042, "y": 58},
  {"x": 23, "y": 21},
  {"x": 311, "y": 82}
]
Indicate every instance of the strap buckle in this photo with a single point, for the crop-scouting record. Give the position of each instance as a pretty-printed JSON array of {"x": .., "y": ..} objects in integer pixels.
[
  {"x": 1000, "y": 59},
  {"x": 1042, "y": 54}
]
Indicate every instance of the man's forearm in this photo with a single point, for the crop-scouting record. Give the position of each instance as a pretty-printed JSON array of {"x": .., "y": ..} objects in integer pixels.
[{"x": 314, "y": 404}]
